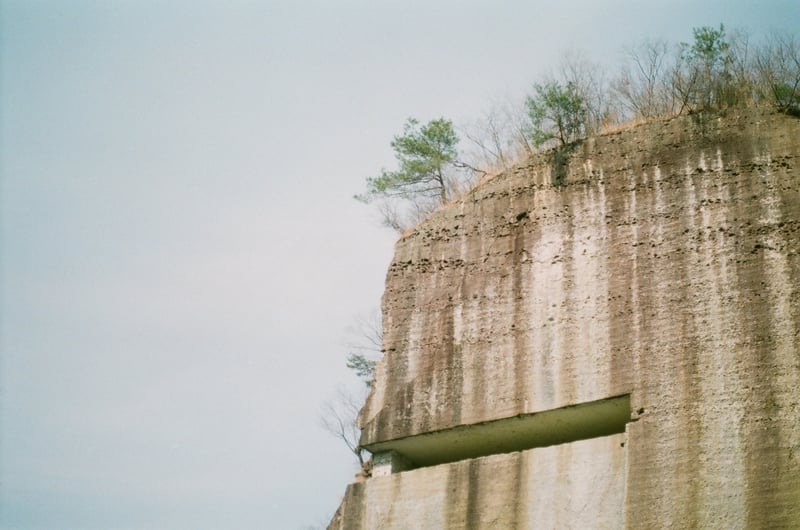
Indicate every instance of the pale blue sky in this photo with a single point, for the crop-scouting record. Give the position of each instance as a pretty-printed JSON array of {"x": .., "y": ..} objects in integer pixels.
[{"x": 181, "y": 254}]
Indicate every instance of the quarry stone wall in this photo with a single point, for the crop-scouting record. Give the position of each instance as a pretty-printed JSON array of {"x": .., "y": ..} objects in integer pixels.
[
  {"x": 541, "y": 488},
  {"x": 662, "y": 262}
]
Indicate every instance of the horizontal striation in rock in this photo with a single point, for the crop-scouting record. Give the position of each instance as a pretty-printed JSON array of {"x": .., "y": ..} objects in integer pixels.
[
  {"x": 666, "y": 265},
  {"x": 579, "y": 485}
]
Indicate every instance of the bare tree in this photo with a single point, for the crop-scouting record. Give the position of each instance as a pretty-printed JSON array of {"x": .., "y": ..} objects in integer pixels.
[
  {"x": 339, "y": 416},
  {"x": 491, "y": 140},
  {"x": 683, "y": 81},
  {"x": 392, "y": 215},
  {"x": 642, "y": 85},
  {"x": 497, "y": 140},
  {"x": 515, "y": 114},
  {"x": 589, "y": 80},
  {"x": 742, "y": 70},
  {"x": 778, "y": 65},
  {"x": 366, "y": 333}
]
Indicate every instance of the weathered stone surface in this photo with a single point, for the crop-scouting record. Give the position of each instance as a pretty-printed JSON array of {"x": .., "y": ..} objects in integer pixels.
[
  {"x": 579, "y": 485},
  {"x": 665, "y": 265}
]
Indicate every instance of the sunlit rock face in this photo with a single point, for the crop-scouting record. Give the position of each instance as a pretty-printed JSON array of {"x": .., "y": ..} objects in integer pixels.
[{"x": 663, "y": 262}]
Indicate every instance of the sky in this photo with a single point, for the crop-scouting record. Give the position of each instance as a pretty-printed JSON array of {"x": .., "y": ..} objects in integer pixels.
[{"x": 180, "y": 252}]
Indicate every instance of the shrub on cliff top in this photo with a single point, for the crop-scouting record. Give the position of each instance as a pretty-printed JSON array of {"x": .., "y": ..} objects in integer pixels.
[{"x": 557, "y": 112}]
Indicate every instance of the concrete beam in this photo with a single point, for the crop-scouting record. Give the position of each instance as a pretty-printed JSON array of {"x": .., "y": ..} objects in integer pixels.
[{"x": 517, "y": 433}]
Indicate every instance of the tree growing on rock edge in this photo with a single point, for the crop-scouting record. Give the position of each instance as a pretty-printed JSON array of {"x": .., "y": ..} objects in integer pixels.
[
  {"x": 339, "y": 416},
  {"x": 423, "y": 153},
  {"x": 701, "y": 74},
  {"x": 363, "y": 367},
  {"x": 556, "y": 112},
  {"x": 427, "y": 158},
  {"x": 366, "y": 345}
]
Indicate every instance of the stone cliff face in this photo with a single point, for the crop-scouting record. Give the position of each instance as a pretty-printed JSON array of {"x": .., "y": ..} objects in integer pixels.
[{"x": 661, "y": 262}]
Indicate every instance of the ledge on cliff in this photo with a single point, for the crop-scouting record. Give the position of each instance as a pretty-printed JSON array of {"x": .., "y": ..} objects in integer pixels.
[{"x": 518, "y": 433}]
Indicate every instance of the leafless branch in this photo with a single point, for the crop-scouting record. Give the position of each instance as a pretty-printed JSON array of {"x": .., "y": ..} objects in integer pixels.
[
  {"x": 339, "y": 416},
  {"x": 366, "y": 333}
]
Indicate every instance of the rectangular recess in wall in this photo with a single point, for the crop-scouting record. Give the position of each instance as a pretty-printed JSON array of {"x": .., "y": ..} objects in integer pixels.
[{"x": 517, "y": 433}]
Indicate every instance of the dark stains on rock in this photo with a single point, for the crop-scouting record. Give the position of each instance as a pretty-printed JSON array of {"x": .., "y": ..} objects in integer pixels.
[{"x": 686, "y": 232}]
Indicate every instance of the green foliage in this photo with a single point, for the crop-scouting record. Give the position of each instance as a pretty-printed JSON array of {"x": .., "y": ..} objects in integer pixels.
[
  {"x": 423, "y": 154},
  {"x": 787, "y": 97},
  {"x": 715, "y": 69},
  {"x": 709, "y": 47},
  {"x": 778, "y": 63},
  {"x": 363, "y": 367},
  {"x": 556, "y": 112},
  {"x": 708, "y": 61}
]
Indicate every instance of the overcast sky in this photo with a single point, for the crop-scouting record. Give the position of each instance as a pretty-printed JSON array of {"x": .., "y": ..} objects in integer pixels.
[{"x": 181, "y": 253}]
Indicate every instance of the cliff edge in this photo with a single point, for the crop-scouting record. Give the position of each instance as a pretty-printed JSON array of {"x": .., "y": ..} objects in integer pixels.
[{"x": 657, "y": 268}]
